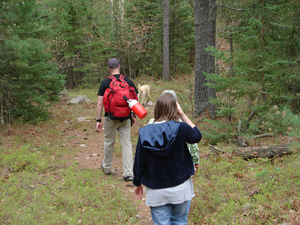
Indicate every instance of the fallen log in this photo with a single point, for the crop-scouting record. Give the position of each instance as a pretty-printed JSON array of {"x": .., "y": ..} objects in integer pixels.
[{"x": 267, "y": 151}]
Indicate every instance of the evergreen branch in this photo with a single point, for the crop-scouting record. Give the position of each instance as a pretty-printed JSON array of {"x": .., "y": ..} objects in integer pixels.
[
  {"x": 88, "y": 42},
  {"x": 143, "y": 38}
]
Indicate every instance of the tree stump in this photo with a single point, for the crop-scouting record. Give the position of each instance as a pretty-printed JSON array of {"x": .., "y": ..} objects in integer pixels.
[{"x": 267, "y": 151}]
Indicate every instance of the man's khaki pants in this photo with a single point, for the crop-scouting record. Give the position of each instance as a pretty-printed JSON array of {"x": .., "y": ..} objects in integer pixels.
[{"x": 124, "y": 129}]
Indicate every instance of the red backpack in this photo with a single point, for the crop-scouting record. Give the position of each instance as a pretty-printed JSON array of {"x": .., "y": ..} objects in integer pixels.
[{"x": 115, "y": 98}]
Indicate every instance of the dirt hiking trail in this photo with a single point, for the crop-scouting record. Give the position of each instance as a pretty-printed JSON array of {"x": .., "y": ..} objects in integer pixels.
[{"x": 89, "y": 142}]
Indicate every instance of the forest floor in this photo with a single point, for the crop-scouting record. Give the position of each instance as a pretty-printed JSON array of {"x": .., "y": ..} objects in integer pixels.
[
  {"x": 91, "y": 157},
  {"x": 90, "y": 143},
  {"x": 89, "y": 154},
  {"x": 67, "y": 140}
]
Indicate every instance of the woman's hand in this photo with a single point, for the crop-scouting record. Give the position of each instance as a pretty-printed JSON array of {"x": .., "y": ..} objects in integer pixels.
[
  {"x": 179, "y": 110},
  {"x": 183, "y": 117}
]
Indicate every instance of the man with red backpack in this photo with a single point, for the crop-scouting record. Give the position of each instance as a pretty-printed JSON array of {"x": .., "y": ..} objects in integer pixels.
[{"x": 113, "y": 94}]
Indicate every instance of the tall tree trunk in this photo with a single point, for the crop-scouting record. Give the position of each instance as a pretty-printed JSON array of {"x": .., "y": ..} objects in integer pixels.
[
  {"x": 201, "y": 11},
  {"x": 230, "y": 101},
  {"x": 211, "y": 64},
  {"x": 173, "y": 67},
  {"x": 121, "y": 3},
  {"x": 112, "y": 13},
  {"x": 166, "y": 53}
]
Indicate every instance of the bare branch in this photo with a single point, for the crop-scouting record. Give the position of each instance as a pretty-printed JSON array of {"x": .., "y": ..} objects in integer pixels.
[
  {"x": 239, "y": 127},
  {"x": 264, "y": 135},
  {"x": 231, "y": 8},
  {"x": 216, "y": 148},
  {"x": 251, "y": 115}
]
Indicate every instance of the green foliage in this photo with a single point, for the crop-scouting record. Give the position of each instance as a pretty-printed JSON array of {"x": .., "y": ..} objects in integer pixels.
[
  {"x": 72, "y": 196},
  {"x": 26, "y": 158},
  {"x": 27, "y": 77},
  {"x": 182, "y": 37},
  {"x": 145, "y": 18},
  {"x": 85, "y": 35},
  {"x": 262, "y": 70},
  {"x": 291, "y": 123},
  {"x": 78, "y": 45},
  {"x": 218, "y": 131},
  {"x": 247, "y": 192},
  {"x": 280, "y": 121}
]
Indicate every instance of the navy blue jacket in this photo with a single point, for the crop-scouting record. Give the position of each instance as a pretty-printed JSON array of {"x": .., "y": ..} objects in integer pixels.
[{"x": 162, "y": 158}]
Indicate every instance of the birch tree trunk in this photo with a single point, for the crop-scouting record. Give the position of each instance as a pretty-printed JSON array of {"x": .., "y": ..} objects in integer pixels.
[
  {"x": 121, "y": 3},
  {"x": 166, "y": 53}
]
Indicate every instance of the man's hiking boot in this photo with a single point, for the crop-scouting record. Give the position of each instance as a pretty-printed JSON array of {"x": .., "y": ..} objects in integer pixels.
[
  {"x": 128, "y": 178},
  {"x": 108, "y": 172}
]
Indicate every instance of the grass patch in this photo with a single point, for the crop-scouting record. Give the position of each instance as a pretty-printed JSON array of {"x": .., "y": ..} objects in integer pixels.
[
  {"x": 230, "y": 190},
  {"x": 65, "y": 196}
]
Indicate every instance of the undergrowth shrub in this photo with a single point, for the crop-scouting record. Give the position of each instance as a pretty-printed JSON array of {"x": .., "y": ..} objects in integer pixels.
[
  {"x": 230, "y": 190},
  {"x": 24, "y": 158},
  {"x": 28, "y": 113},
  {"x": 277, "y": 120},
  {"x": 218, "y": 131}
]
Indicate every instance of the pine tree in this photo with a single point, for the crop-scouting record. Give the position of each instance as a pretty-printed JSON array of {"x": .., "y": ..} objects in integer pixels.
[
  {"x": 146, "y": 18},
  {"x": 28, "y": 78},
  {"x": 182, "y": 37},
  {"x": 264, "y": 64}
]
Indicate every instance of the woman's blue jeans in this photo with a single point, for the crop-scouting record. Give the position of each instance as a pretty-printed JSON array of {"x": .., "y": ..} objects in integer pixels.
[{"x": 171, "y": 214}]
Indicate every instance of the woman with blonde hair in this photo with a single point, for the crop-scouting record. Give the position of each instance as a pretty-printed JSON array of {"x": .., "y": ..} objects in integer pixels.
[{"x": 164, "y": 164}]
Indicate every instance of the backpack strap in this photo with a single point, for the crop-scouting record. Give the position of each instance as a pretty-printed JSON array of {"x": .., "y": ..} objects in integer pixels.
[
  {"x": 112, "y": 77},
  {"x": 121, "y": 78}
]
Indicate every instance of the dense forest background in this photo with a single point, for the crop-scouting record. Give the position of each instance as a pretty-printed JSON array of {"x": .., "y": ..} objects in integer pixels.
[{"x": 50, "y": 45}]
